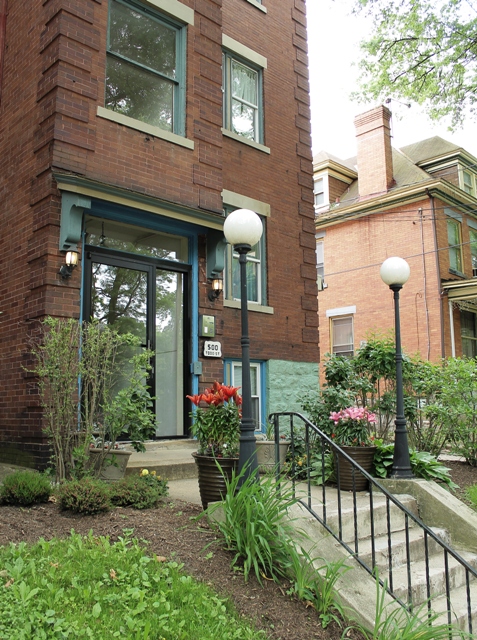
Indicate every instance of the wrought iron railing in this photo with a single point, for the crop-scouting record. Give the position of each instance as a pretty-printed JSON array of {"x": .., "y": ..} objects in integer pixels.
[{"x": 338, "y": 518}]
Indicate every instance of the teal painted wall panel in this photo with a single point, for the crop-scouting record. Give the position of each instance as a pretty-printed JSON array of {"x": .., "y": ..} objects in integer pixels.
[{"x": 288, "y": 382}]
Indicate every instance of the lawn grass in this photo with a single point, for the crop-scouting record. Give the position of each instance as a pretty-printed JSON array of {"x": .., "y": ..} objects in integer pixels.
[{"x": 88, "y": 587}]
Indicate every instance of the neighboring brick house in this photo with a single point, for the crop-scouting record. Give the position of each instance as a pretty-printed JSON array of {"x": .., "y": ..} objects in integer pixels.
[
  {"x": 418, "y": 203},
  {"x": 128, "y": 130}
]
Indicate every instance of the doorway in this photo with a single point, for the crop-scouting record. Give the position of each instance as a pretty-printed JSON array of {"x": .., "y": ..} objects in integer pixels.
[{"x": 149, "y": 298}]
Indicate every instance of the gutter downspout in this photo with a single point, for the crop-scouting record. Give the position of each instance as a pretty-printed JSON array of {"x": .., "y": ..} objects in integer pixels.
[{"x": 441, "y": 301}]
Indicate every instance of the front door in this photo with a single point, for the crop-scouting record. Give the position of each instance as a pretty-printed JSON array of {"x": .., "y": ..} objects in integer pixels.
[{"x": 149, "y": 298}]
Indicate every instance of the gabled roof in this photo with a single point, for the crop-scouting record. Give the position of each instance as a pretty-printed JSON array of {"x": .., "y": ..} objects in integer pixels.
[{"x": 430, "y": 149}]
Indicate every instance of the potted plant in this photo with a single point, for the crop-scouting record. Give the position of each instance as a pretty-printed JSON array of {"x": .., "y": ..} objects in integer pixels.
[
  {"x": 125, "y": 414},
  {"x": 266, "y": 449},
  {"x": 353, "y": 433},
  {"x": 216, "y": 425}
]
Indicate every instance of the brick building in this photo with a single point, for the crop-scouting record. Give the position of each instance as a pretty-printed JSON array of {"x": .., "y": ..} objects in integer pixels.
[
  {"x": 129, "y": 129},
  {"x": 418, "y": 203}
]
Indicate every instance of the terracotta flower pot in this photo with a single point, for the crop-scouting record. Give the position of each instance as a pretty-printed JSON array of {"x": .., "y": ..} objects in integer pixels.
[
  {"x": 212, "y": 485},
  {"x": 364, "y": 456}
]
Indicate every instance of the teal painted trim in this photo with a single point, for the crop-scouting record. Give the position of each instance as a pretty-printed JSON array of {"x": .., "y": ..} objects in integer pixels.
[
  {"x": 288, "y": 382},
  {"x": 138, "y": 200},
  {"x": 453, "y": 214},
  {"x": 216, "y": 245},
  {"x": 72, "y": 209},
  {"x": 472, "y": 223}
]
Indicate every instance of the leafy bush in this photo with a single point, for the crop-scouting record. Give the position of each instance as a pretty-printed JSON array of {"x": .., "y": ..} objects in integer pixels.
[
  {"x": 87, "y": 496},
  {"x": 140, "y": 492},
  {"x": 423, "y": 464},
  {"x": 25, "y": 488},
  {"x": 472, "y": 495}
]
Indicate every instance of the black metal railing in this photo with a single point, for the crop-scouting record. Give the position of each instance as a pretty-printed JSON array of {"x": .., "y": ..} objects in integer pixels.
[{"x": 341, "y": 515}]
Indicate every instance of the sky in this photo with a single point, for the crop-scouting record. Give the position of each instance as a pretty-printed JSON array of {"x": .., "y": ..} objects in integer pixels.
[{"x": 333, "y": 39}]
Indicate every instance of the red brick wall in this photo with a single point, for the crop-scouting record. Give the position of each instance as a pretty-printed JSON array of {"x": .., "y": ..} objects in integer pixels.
[
  {"x": 53, "y": 81},
  {"x": 354, "y": 252}
]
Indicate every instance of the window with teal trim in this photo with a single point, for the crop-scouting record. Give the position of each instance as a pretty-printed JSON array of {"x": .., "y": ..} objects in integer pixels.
[
  {"x": 242, "y": 83},
  {"x": 256, "y": 272},
  {"x": 145, "y": 74},
  {"x": 233, "y": 375}
]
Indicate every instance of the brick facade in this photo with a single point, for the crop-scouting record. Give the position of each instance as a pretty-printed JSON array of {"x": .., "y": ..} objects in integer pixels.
[{"x": 53, "y": 83}]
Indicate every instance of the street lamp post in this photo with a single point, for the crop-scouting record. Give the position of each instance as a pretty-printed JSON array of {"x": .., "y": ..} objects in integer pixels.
[
  {"x": 395, "y": 273},
  {"x": 243, "y": 229}
]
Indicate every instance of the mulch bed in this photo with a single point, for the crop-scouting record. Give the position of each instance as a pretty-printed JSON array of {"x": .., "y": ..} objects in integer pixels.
[{"x": 173, "y": 531}]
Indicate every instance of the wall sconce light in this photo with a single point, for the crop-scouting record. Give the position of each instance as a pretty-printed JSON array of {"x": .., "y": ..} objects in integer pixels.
[
  {"x": 217, "y": 288},
  {"x": 71, "y": 261}
]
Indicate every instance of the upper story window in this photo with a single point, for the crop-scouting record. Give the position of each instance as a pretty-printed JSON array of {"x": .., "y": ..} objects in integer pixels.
[
  {"x": 473, "y": 251},
  {"x": 145, "y": 68},
  {"x": 342, "y": 336},
  {"x": 242, "y": 86},
  {"x": 319, "y": 191},
  {"x": 255, "y": 268},
  {"x": 320, "y": 264},
  {"x": 468, "y": 182},
  {"x": 454, "y": 238}
]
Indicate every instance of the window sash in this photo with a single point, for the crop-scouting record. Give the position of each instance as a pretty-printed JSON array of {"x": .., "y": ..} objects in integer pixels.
[
  {"x": 454, "y": 240},
  {"x": 468, "y": 180},
  {"x": 242, "y": 84},
  {"x": 342, "y": 336},
  {"x": 255, "y": 270},
  {"x": 145, "y": 76},
  {"x": 255, "y": 385}
]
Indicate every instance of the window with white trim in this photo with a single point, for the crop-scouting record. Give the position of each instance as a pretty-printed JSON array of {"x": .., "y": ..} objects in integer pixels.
[
  {"x": 454, "y": 238},
  {"x": 242, "y": 88},
  {"x": 256, "y": 388},
  {"x": 319, "y": 192},
  {"x": 342, "y": 335},
  {"x": 145, "y": 66},
  {"x": 320, "y": 264},
  {"x": 468, "y": 182},
  {"x": 255, "y": 269}
]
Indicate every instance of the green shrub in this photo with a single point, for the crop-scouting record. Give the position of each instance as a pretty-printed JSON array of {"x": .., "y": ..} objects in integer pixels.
[
  {"x": 24, "y": 488},
  {"x": 139, "y": 492},
  {"x": 472, "y": 495},
  {"x": 88, "y": 496}
]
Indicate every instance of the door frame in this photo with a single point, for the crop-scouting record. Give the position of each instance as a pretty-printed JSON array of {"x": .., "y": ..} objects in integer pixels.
[{"x": 149, "y": 265}]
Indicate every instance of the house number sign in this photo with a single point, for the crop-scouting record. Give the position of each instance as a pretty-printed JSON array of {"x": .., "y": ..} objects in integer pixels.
[{"x": 212, "y": 349}]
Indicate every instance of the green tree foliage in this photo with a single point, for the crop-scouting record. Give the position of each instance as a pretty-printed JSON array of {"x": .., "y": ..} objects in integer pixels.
[{"x": 422, "y": 50}]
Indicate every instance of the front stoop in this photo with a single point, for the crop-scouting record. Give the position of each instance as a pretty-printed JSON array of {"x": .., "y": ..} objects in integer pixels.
[
  {"x": 357, "y": 589},
  {"x": 170, "y": 459}
]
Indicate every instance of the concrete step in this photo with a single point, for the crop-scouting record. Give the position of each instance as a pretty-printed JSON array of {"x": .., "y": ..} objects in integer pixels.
[
  {"x": 362, "y": 523},
  {"x": 437, "y": 577},
  {"x": 170, "y": 459},
  {"x": 399, "y": 547},
  {"x": 460, "y": 613}
]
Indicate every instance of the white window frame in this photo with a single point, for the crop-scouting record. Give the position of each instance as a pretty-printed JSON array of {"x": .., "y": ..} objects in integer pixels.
[
  {"x": 468, "y": 182},
  {"x": 256, "y": 393},
  {"x": 320, "y": 263},
  {"x": 455, "y": 250},
  {"x": 321, "y": 187},
  {"x": 341, "y": 313}
]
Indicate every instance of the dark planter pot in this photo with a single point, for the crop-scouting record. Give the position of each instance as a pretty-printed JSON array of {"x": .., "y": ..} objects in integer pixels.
[
  {"x": 364, "y": 456},
  {"x": 212, "y": 486},
  {"x": 266, "y": 454},
  {"x": 114, "y": 464}
]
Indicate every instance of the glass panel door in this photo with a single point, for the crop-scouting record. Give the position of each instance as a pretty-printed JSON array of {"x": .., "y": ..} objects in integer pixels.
[{"x": 150, "y": 302}]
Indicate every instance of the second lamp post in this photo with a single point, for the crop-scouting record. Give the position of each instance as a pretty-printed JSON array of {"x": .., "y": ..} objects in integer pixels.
[
  {"x": 395, "y": 273},
  {"x": 243, "y": 229}
]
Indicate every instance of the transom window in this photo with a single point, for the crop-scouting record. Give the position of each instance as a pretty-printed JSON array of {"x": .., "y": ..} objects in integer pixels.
[
  {"x": 242, "y": 97},
  {"x": 145, "y": 76},
  {"x": 455, "y": 244}
]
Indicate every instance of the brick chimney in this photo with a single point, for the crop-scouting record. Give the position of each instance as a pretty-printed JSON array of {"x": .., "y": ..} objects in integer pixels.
[{"x": 375, "y": 163}]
